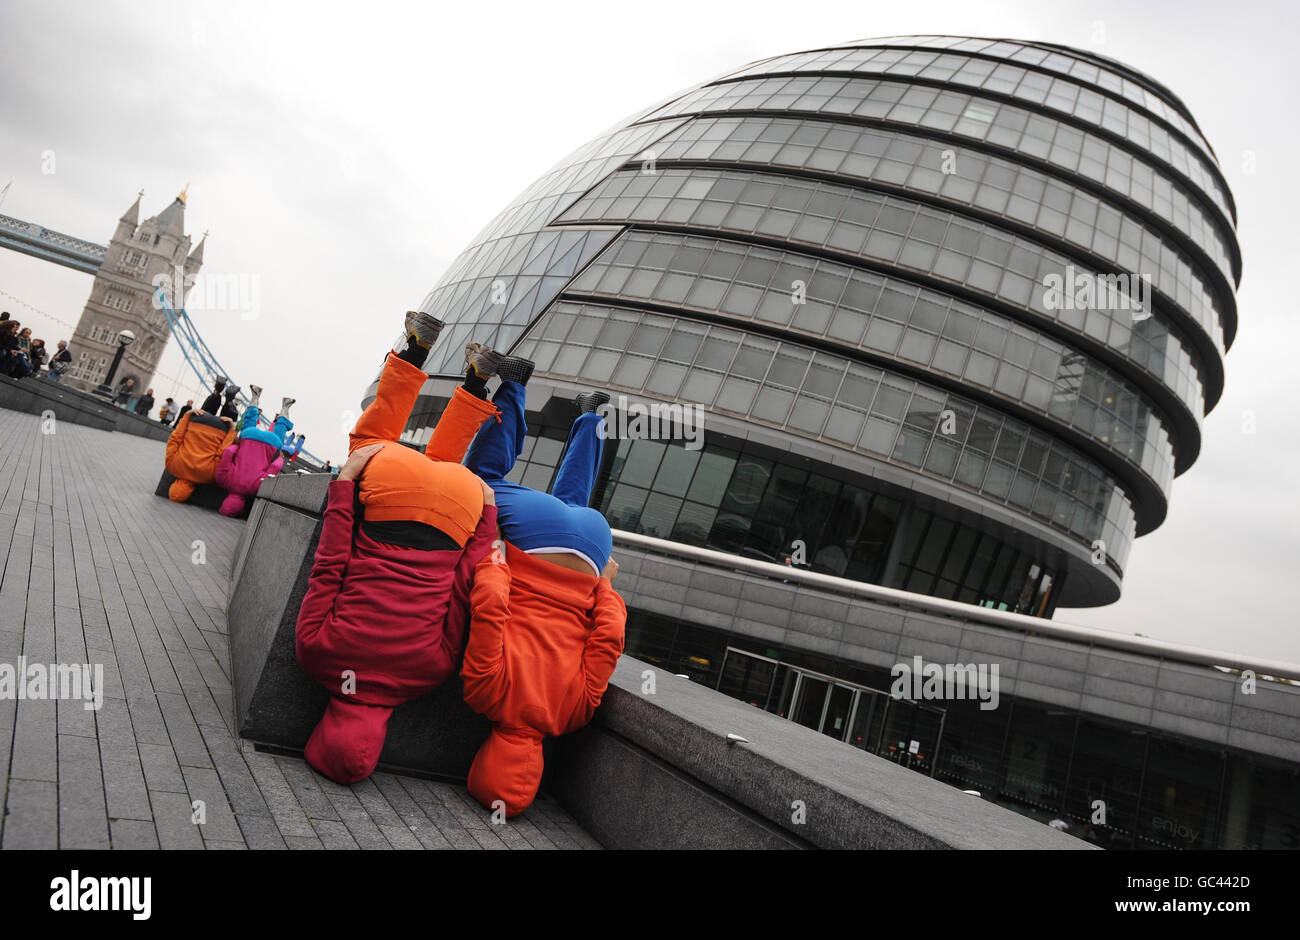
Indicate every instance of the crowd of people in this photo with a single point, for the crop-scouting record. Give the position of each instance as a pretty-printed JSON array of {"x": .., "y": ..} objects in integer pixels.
[{"x": 22, "y": 356}]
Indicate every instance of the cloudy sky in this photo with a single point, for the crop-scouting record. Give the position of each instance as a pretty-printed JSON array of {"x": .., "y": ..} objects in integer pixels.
[{"x": 343, "y": 154}]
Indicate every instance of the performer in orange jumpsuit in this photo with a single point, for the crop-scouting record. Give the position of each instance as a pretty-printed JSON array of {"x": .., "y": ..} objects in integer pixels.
[
  {"x": 386, "y": 609},
  {"x": 194, "y": 451},
  {"x": 546, "y": 624}
]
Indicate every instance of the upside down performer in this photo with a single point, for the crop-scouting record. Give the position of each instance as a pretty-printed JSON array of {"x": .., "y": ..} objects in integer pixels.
[
  {"x": 386, "y": 609},
  {"x": 253, "y": 457},
  {"x": 194, "y": 451},
  {"x": 547, "y": 625}
]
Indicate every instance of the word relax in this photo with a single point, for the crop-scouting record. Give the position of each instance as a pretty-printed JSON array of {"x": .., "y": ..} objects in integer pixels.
[
  {"x": 656, "y": 422},
  {"x": 933, "y": 682},
  {"x": 62, "y": 680}
]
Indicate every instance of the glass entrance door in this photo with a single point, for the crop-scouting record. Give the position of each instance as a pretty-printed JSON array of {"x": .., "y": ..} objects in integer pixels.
[
  {"x": 911, "y": 735},
  {"x": 835, "y": 723},
  {"x": 810, "y": 701}
]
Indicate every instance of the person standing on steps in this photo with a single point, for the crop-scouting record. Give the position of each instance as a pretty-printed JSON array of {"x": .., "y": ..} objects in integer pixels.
[
  {"x": 144, "y": 404},
  {"x": 60, "y": 363}
]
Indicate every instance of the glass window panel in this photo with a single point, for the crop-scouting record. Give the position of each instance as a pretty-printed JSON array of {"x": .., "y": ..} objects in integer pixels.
[
  {"x": 737, "y": 395},
  {"x": 711, "y": 477},
  {"x": 642, "y": 462},
  {"x": 624, "y": 510}
]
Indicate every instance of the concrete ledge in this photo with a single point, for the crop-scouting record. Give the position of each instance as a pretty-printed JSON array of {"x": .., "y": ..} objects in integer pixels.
[
  {"x": 654, "y": 770},
  {"x": 207, "y": 495},
  {"x": 848, "y": 799},
  {"x": 276, "y": 703},
  {"x": 36, "y": 396}
]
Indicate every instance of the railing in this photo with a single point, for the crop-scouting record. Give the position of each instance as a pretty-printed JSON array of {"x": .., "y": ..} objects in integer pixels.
[
  {"x": 32, "y": 234},
  {"x": 906, "y": 600}
]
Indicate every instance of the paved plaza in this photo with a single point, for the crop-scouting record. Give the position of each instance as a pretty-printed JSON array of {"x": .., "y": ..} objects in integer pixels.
[{"x": 99, "y": 570}]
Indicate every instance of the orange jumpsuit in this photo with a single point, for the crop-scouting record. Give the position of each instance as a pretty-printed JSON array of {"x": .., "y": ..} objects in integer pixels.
[
  {"x": 193, "y": 453},
  {"x": 565, "y": 634},
  {"x": 392, "y": 616}
]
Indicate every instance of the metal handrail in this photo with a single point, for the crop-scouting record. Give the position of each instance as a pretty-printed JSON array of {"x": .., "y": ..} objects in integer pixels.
[{"x": 1262, "y": 667}]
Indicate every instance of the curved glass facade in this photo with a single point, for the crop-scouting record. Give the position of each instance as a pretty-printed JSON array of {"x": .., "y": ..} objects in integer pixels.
[
  {"x": 890, "y": 320},
  {"x": 889, "y": 231},
  {"x": 1093, "y": 72},
  {"x": 983, "y": 182},
  {"x": 1016, "y": 131},
  {"x": 1088, "y": 107},
  {"x": 971, "y": 296},
  {"x": 884, "y": 416}
]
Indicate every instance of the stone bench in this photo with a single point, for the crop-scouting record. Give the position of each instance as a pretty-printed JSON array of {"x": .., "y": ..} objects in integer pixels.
[
  {"x": 207, "y": 495},
  {"x": 653, "y": 770},
  {"x": 38, "y": 395}
]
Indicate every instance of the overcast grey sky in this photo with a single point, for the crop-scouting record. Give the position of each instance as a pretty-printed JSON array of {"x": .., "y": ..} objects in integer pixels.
[{"x": 344, "y": 154}]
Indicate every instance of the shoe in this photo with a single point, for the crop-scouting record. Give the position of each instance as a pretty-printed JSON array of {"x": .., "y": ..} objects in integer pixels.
[
  {"x": 590, "y": 401},
  {"x": 424, "y": 327},
  {"x": 284, "y": 406},
  {"x": 515, "y": 369},
  {"x": 220, "y": 384},
  {"x": 257, "y": 395},
  {"x": 482, "y": 359},
  {"x": 231, "y": 392}
]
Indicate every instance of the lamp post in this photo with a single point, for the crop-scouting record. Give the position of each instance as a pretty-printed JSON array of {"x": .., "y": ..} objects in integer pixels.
[{"x": 124, "y": 339}]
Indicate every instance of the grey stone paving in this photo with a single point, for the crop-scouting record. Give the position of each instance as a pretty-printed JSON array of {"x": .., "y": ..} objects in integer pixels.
[{"x": 99, "y": 570}]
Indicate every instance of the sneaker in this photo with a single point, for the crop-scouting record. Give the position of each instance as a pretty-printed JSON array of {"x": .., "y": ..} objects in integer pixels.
[
  {"x": 482, "y": 359},
  {"x": 515, "y": 369},
  {"x": 590, "y": 401},
  {"x": 423, "y": 327},
  {"x": 284, "y": 405},
  {"x": 257, "y": 395}
]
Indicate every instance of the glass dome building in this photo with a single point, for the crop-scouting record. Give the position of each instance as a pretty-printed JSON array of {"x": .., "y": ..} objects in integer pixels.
[{"x": 953, "y": 310}]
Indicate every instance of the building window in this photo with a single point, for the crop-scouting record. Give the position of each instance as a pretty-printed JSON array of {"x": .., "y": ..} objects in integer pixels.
[{"x": 119, "y": 301}]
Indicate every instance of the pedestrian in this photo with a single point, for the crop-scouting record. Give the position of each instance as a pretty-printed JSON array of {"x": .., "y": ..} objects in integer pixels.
[
  {"x": 60, "y": 363},
  {"x": 144, "y": 404},
  {"x": 37, "y": 355},
  {"x": 188, "y": 406},
  {"x": 12, "y": 362},
  {"x": 125, "y": 392},
  {"x": 167, "y": 411}
]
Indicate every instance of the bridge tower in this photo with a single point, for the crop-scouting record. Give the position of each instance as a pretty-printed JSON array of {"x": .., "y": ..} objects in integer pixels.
[{"x": 140, "y": 256}]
